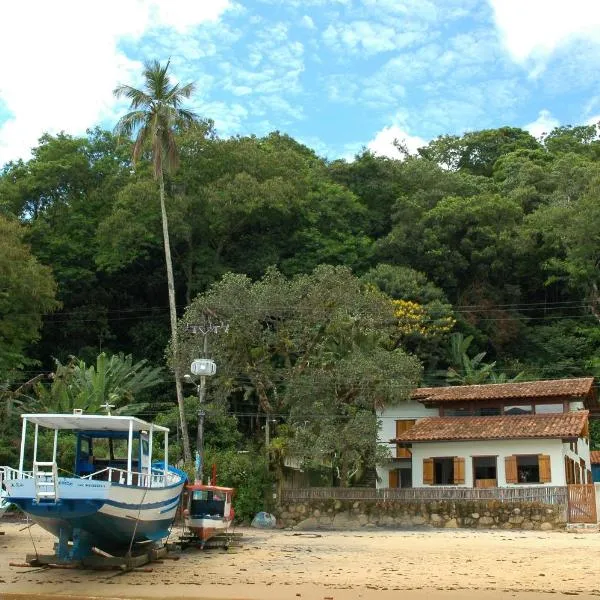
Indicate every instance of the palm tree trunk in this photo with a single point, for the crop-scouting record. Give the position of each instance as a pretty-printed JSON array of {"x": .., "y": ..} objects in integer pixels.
[{"x": 187, "y": 453}]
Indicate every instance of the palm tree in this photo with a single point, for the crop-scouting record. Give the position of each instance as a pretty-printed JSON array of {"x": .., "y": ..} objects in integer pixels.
[{"x": 156, "y": 114}]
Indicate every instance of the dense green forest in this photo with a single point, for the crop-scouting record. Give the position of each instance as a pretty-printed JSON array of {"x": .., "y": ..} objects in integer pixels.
[{"x": 327, "y": 287}]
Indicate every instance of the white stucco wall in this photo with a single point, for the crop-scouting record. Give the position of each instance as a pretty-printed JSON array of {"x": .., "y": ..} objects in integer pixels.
[
  {"x": 499, "y": 448},
  {"x": 405, "y": 410},
  {"x": 387, "y": 431},
  {"x": 583, "y": 451}
]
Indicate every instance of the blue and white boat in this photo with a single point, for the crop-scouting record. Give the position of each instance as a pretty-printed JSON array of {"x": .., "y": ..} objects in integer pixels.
[
  {"x": 115, "y": 499},
  {"x": 4, "y": 502}
]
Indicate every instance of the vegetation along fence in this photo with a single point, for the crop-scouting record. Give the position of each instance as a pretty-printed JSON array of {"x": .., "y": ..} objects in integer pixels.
[{"x": 543, "y": 495}]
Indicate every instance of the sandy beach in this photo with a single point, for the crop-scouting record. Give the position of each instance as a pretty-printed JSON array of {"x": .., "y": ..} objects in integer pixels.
[{"x": 426, "y": 564}]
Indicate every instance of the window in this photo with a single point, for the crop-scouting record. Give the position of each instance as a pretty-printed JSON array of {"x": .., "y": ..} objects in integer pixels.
[
  {"x": 544, "y": 409},
  {"x": 447, "y": 470},
  {"x": 484, "y": 469},
  {"x": 518, "y": 409},
  {"x": 402, "y": 426},
  {"x": 443, "y": 471},
  {"x": 458, "y": 412},
  {"x": 488, "y": 411},
  {"x": 528, "y": 468}
]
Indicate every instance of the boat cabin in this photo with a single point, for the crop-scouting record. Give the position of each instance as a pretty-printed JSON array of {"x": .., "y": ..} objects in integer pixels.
[
  {"x": 108, "y": 448},
  {"x": 207, "y": 501}
]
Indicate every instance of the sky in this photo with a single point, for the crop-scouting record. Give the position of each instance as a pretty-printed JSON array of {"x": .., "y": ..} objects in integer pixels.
[{"x": 337, "y": 75}]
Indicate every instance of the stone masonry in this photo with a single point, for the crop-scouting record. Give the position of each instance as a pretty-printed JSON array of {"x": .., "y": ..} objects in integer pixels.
[{"x": 349, "y": 514}]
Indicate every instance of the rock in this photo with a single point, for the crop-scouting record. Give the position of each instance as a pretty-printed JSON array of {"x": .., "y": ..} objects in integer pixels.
[
  {"x": 307, "y": 524},
  {"x": 316, "y": 513},
  {"x": 475, "y": 516},
  {"x": 546, "y": 526},
  {"x": 418, "y": 520},
  {"x": 337, "y": 505},
  {"x": 451, "y": 524},
  {"x": 435, "y": 519},
  {"x": 486, "y": 521},
  {"x": 527, "y": 525},
  {"x": 363, "y": 520},
  {"x": 516, "y": 511},
  {"x": 344, "y": 521},
  {"x": 516, "y": 520}
]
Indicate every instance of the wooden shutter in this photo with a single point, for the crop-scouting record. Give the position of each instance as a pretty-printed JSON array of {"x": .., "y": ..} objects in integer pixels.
[
  {"x": 544, "y": 466},
  {"x": 402, "y": 426},
  {"x": 459, "y": 470},
  {"x": 428, "y": 471},
  {"x": 393, "y": 478},
  {"x": 510, "y": 468}
]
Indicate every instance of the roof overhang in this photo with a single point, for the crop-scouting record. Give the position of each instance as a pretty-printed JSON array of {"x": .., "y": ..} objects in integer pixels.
[{"x": 91, "y": 422}]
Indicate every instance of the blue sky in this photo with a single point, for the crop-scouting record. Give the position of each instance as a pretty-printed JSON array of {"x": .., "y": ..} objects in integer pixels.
[{"x": 336, "y": 74}]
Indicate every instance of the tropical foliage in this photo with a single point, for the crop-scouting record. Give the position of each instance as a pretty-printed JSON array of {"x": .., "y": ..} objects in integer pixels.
[{"x": 343, "y": 283}]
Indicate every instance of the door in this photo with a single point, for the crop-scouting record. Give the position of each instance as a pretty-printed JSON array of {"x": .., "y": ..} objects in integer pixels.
[{"x": 582, "y": 503}]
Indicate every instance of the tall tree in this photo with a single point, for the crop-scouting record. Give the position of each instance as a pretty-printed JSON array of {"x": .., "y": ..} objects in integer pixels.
[
  {"x": 27, "y": 292},
  {"x": 156, "y": 115}
]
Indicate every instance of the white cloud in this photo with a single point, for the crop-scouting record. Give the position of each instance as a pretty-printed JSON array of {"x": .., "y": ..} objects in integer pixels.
[
  {"x": 535, "y": 28},
  {"x": 383, "y": 142},
  {"x": 594, "y": 120},
  {"x": 62, "y": 60},
  {"x": 307, "y": 22},
  {"x": 545, "y": 123},
  {"x": 369, "y": 37}
]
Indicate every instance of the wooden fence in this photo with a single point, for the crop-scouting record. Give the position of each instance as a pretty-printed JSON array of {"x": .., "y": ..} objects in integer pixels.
[{"x": 543, "y": 495}]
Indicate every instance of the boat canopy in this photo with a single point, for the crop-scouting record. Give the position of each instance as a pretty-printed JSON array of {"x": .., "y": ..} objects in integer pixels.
[{"x": 98, "y": 423}]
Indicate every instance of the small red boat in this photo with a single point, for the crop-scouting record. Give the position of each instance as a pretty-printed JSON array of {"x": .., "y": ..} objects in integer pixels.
[{"x": 207, "y": 510}]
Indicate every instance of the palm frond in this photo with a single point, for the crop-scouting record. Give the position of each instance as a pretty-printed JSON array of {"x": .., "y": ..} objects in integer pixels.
[
  {"x": 137, "y": 97},
  {"x": 157, "y": 79},
  {"x": 157, "y": 154},
  {"x": 130, "y": 123},
  {"x": 142, "y": 138}
]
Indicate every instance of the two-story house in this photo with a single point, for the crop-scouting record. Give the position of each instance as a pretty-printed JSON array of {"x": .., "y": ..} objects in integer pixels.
[{"x": 492, "y": 435}]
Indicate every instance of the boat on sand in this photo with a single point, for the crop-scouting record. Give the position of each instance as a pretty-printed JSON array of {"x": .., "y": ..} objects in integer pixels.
[{"x": 115, "y": 498}]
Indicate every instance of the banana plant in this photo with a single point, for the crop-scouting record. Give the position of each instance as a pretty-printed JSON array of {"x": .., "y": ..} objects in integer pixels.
[{"x": 112, "y": 381}]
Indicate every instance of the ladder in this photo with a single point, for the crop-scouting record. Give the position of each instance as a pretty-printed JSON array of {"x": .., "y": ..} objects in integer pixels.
[{"x": 46, "y": 481}]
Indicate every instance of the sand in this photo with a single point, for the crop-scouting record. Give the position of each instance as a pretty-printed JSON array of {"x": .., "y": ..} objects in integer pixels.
[{"x": 369, "y": 565}]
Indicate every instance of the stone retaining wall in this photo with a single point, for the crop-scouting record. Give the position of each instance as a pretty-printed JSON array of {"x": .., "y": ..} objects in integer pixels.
[{"x": 347, "y": 514}]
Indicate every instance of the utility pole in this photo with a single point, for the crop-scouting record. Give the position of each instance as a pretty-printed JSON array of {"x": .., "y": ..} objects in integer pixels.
[
  {"x": 203, "y": 367},
  {"x": 201, "y": 413},
  {"x": 267, "y": 435}
]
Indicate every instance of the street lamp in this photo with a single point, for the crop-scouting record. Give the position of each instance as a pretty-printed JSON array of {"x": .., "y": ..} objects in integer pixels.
[{"x": 203, "y": 368}]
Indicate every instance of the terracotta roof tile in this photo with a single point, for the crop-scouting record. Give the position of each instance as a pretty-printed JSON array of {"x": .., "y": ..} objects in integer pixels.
[
  {"x": 579, "y": 388},
  {"x": 595, "y": 457},
  {"x": 564, "y": 425}
]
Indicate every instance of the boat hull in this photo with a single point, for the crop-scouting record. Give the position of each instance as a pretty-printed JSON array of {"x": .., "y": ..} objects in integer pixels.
[
  {"x": 205, "y": 528},
  {"x": 111, "y": 515}
]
